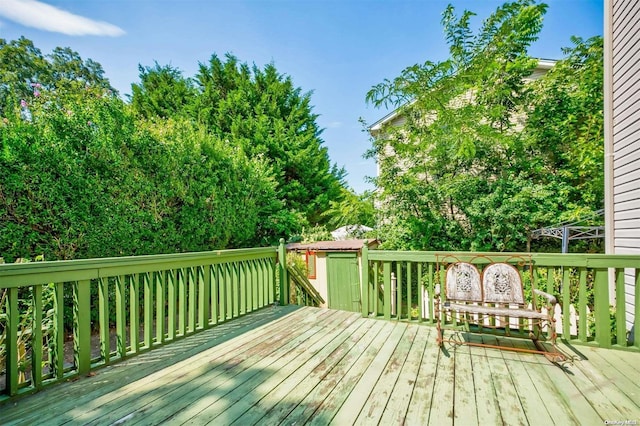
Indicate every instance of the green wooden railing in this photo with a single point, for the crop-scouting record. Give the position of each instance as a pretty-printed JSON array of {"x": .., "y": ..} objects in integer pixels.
[
  {"x": 121, "y": 307},
  {"x": 579, "y": 281},
  {"x": 303, "y": 292}
]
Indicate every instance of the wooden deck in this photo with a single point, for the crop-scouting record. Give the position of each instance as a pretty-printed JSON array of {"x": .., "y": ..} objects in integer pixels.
[{"x": 289, "y": 365}]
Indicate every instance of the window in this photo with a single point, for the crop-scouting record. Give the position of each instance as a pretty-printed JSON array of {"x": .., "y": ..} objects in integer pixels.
[{"x": 311, "y": 264}]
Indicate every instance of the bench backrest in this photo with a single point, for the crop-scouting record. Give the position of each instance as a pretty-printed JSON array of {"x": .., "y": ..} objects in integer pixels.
[{"x": 499, "y": 283}]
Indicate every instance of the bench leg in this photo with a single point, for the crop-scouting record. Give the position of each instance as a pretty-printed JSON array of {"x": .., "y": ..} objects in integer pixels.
[{"x": 439, "y": 337}]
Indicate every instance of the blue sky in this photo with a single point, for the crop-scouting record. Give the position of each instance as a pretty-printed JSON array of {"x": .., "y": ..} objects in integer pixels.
[{"x": 337, "y": 49}]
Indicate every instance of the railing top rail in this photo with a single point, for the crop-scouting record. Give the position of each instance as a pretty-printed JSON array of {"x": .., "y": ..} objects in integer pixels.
[
  {"x": 19, "y": 274},
  {"x": 539, "y": 259}
]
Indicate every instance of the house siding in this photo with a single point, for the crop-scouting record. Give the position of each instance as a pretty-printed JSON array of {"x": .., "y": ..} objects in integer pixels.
[{"x": 625, "y": 120}]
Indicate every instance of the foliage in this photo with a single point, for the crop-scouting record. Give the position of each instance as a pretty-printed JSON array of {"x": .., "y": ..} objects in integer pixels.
[
  {"x": 25, "y": 72},
  {"x": 83, "y": 174},
  {"x": 315, "y": 233},
  {"x": 351, "y": 209},
  {"x": 468, "y": 170},
  {"x": 261, "y": 113},
  {"x": 565, "y": 128},
  {"x": 83, "y": 177},
  {"x": 162, "y": 92}
]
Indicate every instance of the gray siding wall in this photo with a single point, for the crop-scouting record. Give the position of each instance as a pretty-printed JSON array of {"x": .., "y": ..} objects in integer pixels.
[{"x": 625, "y": 38}]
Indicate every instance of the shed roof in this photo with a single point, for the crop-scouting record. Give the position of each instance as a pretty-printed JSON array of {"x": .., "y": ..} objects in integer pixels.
[{"x": 342, "y": 245}]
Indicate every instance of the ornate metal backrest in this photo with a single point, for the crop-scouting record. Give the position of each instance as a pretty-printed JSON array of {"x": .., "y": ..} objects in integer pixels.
[
  {"x": 502, "y": 284},
  {"x": 463, "y": 282}
]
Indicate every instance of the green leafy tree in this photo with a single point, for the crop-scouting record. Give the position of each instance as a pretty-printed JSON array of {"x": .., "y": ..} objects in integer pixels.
[
  {"x": 565, "y": 126},
  {"x": 25, "y": 72},
  {"x": 458, "y": 174},
  {"x": 352, "y": 209},
  {"x": 21, "y": 65}
]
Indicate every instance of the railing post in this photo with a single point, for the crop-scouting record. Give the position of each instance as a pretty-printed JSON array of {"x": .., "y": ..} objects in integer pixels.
[
  {"x": 364, "y": 280},
  {"x": 284, "y": 276},
  {"x": 601, "y": 308}
]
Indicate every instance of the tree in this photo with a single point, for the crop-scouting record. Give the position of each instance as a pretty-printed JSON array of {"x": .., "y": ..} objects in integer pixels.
[
  {"x": 459, "y": 174},
  {"x": 83, "y": 176},
  {"x": 21, "y": 65},
  {"x": 260, "y": 112},
  {"x": 25, "y": 72},
  {"x": 263, "y": 113},
  {"x": 351, "y": 209},
  {"x": 162, "y": 92},
  {"x": 565, "y": 128}
]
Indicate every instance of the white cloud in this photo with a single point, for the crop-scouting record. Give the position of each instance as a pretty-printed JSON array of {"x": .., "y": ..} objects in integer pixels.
[
  {"x": 32, "y": 13},
  {"x": 334, "y": 125}
]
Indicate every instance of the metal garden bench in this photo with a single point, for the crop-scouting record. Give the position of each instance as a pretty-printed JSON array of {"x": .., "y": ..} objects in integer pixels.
[{"x": 493, "y": 300}]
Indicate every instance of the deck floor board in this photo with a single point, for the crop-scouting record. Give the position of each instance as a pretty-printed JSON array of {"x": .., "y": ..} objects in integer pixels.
[{"x": 288, "y": 365}]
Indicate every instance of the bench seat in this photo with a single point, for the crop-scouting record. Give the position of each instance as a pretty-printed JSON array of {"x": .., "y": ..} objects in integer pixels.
[{"x": 496, "y": 311}]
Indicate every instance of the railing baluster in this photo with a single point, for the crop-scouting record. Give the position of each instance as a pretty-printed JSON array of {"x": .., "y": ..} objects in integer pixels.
[
  {"x": 551, "y": 288},
  {"x": 566, "y": 303},
  {"x": 148, "y": 310},
  {"x": 121, "y": 326},
  {"x": 582, "y": 304},
  {"x": 160, "y": 279},
  {"x": 11, "y": 343},
  {"x": 222, "y": 284},
  {"x": 182, "y": 302},
  {"x": 57, "y": 354},
  {"x": 262, "y": 272},
  {"x": 191, "y": 297},
  {"x": 82, "y": 326},
  {"x": 103, "y": 313},
  {"x": 235, "y": 273},
  {"x": 134, "y": 313},
  {"x": 36, "y": 338},
  {"x": 255, "y": 283},
  {"x": 375, "y": 294},
  {"x": 214, "y": 276},
  {"x": 386, "y": 274},
  {"x": 171, "y": 305},
  {"x": 272, "y": 281},
  {"x": 420, "y": 293},
  {"x": 409, "y": 291},
  {"x": 230, "y": 289},
  {"x": 242, "y": 281},
  {"x": 398, "y": 295},
  {"x": 204, "y": 296}
]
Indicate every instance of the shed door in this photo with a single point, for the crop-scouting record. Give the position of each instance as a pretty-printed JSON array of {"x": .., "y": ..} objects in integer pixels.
[{"x": 343, "y": 281}]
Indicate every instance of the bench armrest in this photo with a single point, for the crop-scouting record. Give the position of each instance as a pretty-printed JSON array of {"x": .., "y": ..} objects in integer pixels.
[{"x": 550, "y": 298}]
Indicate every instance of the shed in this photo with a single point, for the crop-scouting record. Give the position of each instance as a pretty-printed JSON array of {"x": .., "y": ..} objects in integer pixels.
[{"x": 333, "y": 268}]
